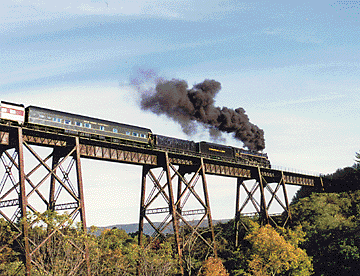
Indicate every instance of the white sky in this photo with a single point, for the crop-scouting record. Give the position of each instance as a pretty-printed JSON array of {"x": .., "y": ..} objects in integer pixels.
[{"x": 294, "y": 68}]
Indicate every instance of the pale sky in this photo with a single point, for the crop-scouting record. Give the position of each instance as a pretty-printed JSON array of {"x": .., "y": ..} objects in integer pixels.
[{"x": 292, "y": 65}]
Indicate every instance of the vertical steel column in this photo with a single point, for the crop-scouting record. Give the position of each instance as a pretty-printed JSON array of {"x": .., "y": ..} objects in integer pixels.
[
  {"x": 55, "y": 161},
  {"x": 263, "y": 209},
  {"x": 179, "y": 191},
  {"x": 178, "y": 196},
  {"x": 286, "y": 197},
  {"x": 23, "y": 200},
  {"x": 207, "y": 202},
  {"x": 81, "y": 199},
  {"x": 237, "y": 210},
  {"x": 145, "y": 171},
  {"x": 173, "y": 210}
]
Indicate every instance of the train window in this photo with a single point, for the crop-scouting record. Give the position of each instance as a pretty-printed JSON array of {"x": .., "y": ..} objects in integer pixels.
[
  {"x": 42, "y": 116},
  {"x": 135, "y": 134},
  {"x": 115, "y": 130},
  {"x": 12, "y": 111},
  {"x": 4, "y": 109},
  {"x": 54, "y": 119},
  {"x": 142, "y": 135},
  {"x": 59, "y": 120},
  {"x": 78, "y": 124},
  {"x": 68, "y": 122},
  {"x": 102, "y": 128},
  {"x": 87, "y": 125},
  {"x": 128, "y": 133}
]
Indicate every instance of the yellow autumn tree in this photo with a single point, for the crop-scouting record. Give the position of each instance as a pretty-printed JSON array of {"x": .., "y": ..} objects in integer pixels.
[
  {"x": 273, "y": 254},
  {"x": 213, "y": 267}
]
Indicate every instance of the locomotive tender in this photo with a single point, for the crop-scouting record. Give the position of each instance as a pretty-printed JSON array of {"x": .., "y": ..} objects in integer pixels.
[{"x": 63, "y": 122}]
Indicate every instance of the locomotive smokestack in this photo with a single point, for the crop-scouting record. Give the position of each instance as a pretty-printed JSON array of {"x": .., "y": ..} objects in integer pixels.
[{"x": 190, "y": 107}]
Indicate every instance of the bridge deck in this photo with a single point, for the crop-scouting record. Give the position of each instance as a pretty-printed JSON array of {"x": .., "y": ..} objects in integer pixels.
[{"x": 143, "y": 155}]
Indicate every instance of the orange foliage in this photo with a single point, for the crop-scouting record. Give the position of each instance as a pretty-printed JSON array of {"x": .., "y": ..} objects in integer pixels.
[{"x": 213, "y": 267}]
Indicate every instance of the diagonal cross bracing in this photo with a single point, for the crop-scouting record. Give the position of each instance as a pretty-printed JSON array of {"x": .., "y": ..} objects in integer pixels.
[
  {"x": 174, "y": 205},
  {"x": 24, "y": 187}
]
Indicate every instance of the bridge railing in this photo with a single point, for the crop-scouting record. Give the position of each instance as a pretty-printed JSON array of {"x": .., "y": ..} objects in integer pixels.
[{"x": 287, "y": 169}]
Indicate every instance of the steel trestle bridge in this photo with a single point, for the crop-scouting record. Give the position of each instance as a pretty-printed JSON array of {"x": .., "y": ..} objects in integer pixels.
[{"x": 173, "y": 177}]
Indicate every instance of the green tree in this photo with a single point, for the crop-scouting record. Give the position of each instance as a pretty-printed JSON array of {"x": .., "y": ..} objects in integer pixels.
[
  {"x": 357, "y": 161},
  {"x": 10, "y": 262},
  {"x": 332, "y": 224},
  {"x": 235, "y": 258},
  {"x": 65, "y": 246},
  {"x": 158, "y": 261},
  {"x": 114, "y": 252},
  {"x": 357, "y": 157}
]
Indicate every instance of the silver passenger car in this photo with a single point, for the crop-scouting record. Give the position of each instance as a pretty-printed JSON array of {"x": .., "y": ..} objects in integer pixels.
[{"x": 83, "y": 125}]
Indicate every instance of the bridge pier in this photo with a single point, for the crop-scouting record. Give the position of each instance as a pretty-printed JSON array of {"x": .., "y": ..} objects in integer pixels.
[
  {"x": 174, "y": 207},
  {"x": 57, "y": 188},
  {"x": 262, "y": 206}
]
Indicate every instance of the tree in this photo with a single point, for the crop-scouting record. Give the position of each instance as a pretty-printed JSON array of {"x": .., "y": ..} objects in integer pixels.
[
  {"x": 10, "y": 263},
  {"x": 357, "y": 157},
  {"x": 113, "y": 253},
  {"x": 274, "y": 254},
  {"x": 332, "y": 224},
  {"x": 159, "y": 261},
  {"x": 356, "y": 166},
  {"x": 213, "y": 267},
  {"x": 65, "y": 243}
]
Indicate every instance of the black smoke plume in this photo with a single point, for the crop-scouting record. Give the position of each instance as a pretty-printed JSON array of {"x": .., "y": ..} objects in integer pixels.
[{"x": 189, "y": 107}]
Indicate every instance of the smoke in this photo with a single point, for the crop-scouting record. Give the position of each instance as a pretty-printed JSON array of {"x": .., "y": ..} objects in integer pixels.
[{"x": 191, "y": 107}]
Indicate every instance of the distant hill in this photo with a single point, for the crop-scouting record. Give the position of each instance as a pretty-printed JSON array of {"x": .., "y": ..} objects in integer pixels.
[{"x": 148, "y": 230}]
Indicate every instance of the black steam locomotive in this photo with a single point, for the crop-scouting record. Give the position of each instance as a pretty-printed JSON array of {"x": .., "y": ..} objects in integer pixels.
[{"x": 63, "y": 122}]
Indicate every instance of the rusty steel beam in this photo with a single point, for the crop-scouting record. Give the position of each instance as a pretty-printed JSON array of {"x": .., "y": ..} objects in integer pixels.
[
  {"x": 207, "y": 202},
  {"x": 263, "y": 208},
  {"x": 81, "y": 199},
  {"x": 145, "y": 170},
  {"x": 44, "y": 141},
  {"x": 23, "y": 201},
  {"x": 226, "y": 170},
  {"x": 181, "y": 161},
  {"x": 162, "y": 210},
  {"x": 298, "y": 180},
  {"x": 9, "y": 203},
  {"x": 159, "y": 210},
  {"x": 173, "y": 208},
  {"x": 286, "y": 200},
  {"x": 193, "y": 212},
  {"x": 65, "y": 206},
  {"x": 289, "y": 177},
  {"x": 115, "y": 154}
]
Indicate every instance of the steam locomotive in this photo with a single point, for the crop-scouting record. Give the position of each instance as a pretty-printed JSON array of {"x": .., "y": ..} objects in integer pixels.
[{"x": 93, "y": 128}]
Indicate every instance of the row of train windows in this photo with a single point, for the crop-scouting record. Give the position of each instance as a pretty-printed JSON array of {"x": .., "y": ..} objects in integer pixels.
[
  {"x": 87, "y": 125},
  {"x": 135, "y": 134}
]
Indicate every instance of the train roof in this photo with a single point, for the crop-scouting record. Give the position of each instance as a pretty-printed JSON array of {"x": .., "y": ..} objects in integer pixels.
[
  {"x": 20, "y": 105},
  {"x": 57, "y": 112}
]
